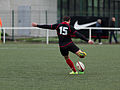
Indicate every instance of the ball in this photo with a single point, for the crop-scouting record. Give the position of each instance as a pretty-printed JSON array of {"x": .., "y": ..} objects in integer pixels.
[{"x": 80, "y": 66}]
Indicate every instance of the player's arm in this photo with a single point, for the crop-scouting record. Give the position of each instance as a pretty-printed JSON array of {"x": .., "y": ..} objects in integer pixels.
[
  {"x": 54, "y": 26},
  {"x": 81, "y": 36}
]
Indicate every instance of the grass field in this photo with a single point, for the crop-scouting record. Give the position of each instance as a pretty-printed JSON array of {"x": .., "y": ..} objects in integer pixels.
[{"x": 41, "y": 67}]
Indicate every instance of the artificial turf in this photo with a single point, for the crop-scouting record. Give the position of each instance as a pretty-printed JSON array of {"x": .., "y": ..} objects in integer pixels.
[{"x": 41, "y": 67}]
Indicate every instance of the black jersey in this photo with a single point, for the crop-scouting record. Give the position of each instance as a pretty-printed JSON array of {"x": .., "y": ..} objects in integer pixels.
[{"x": 64, "y": 31}]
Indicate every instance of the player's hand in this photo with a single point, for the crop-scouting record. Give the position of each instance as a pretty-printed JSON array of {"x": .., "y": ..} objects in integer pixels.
[
  {"x": 90, "y": 42},
  {"x": 34, "y": 24}
]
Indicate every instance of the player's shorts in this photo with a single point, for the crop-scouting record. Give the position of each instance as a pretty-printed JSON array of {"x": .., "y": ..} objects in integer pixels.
[{"x": 71, "y": 47}]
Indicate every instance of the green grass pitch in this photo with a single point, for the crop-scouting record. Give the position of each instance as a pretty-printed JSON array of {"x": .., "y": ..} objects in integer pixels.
[{"x": 41, "y": 67}]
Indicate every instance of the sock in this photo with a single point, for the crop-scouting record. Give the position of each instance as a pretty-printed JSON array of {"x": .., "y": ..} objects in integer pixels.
[{"x": 70, "y": 63}]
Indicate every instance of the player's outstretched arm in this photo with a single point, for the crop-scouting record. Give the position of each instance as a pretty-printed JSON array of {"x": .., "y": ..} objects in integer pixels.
[
  {"x": 79, "y": 35},
  {"x": 41, "y": 26},
  {"x": 83, "y": 37},
  {"x": 44, "y": 26},
  {"x": 34, "y": 24}
]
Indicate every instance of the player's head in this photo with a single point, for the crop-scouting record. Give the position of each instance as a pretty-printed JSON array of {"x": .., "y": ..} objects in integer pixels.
[
  {"x": 113, "y": 19},
  {"x": 99, "y": 21},
  {"x": 66, "y": 19}
]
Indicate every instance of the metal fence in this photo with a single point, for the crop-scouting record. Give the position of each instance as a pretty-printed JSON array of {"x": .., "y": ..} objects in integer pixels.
[
  {"x": 17, "y": 23},
  {"x": 47, "y": 35},
  {"x": 24, "y": 18}
]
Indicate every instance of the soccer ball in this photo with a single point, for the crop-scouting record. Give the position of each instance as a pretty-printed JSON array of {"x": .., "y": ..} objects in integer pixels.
[{"x": 80, "y": 66}]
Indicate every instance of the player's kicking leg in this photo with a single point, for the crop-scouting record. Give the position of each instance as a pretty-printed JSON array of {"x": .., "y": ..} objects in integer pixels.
[
  {"x": 81, "y": 54},
  {"x": 65, "y": 52}
]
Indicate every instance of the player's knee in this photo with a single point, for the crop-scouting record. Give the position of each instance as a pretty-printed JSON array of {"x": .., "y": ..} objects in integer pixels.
[
  {"x": 66, "y": 57},
  {"x": 81, "y": 54}
]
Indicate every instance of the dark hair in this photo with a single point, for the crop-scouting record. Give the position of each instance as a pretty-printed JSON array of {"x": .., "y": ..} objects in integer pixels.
[{"x": 66, "y": 18}]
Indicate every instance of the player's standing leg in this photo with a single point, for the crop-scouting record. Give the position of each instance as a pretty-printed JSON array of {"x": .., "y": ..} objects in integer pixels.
[
  {"x": 70, "y": 63},
  {"x": 65, "y": 52}
]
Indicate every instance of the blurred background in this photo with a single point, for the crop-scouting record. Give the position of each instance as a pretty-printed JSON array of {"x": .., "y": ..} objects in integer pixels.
[{"x": 21, "y": 13}]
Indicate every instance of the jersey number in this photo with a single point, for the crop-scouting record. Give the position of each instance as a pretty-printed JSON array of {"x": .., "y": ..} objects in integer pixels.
[{"x": 63, "y": 30}]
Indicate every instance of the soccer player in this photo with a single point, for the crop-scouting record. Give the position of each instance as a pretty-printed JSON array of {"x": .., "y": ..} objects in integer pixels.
[{"x": 64, "y": 31}]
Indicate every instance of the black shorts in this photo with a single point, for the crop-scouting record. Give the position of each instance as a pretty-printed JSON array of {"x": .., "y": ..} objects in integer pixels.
[{"x": 71, "y": 47}]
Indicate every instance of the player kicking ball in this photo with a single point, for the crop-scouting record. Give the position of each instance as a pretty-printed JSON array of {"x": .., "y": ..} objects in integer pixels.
[{"x": 64, "y": 31}]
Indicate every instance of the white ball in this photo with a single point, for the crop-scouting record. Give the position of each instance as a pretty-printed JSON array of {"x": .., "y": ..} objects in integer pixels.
[{"x": 80, "y": 66}]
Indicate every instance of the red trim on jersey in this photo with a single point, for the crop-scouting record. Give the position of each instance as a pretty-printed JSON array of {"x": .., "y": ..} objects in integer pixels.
[
  {"x": 57, "y": 26},
  {"x": 66, "y": 44},
  {"x": 59, "y": 34},
  {"x": 64, "y": 23},
  {"x": 67, "y": 24},
  {"x": 69, "y": 28},
  {"x": 74, "y": 32},
  {"x": 51, "y": 26}
]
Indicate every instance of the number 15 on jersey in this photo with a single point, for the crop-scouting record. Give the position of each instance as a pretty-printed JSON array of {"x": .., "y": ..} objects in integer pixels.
[{"x": 63, "y": 30}]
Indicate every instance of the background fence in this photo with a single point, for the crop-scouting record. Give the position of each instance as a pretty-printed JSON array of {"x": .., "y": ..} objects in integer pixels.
[
  {"x": 17, "y": 24},
  {"x": 23, "y": 17},
  {"x": 47, "y": 36}
]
